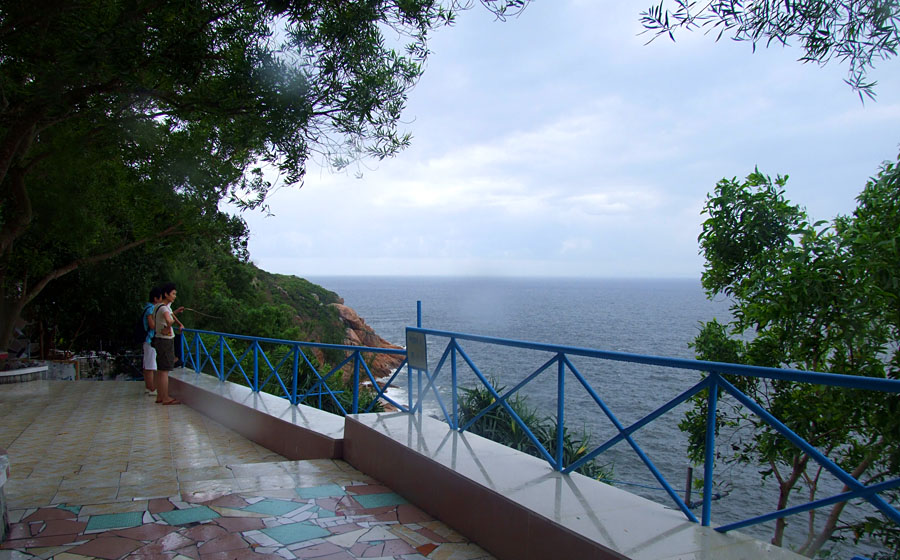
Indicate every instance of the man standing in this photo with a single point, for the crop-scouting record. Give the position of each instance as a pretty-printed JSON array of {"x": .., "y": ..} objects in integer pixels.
[
  {"x": 164, "y": 342},
  {"x": 149, "y": 358}
]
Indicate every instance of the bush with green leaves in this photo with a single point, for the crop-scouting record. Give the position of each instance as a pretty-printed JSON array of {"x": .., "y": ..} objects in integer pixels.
[
  {"x": 813, "y": 296},
  {"x": 499, "y": 426}
]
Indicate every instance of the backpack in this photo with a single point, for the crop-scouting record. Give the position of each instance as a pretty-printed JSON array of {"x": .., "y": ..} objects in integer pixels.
[{"x": 140, "y": 330}]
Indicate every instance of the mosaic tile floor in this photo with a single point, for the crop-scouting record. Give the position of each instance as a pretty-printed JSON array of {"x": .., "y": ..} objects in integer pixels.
[
  {"x": 99, "y": 471},
  {"x": 327, "y": 522}
]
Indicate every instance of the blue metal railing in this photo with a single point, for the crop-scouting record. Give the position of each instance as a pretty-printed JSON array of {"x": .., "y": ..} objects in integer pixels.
[
  {"x": 216, "y": 351},
  {"x": 712, "y": 383},
  {"x": 198, "y": 356}
]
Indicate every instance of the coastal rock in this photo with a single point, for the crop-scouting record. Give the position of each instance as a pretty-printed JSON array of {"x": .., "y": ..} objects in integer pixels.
[{"x": 358, "y": 333}]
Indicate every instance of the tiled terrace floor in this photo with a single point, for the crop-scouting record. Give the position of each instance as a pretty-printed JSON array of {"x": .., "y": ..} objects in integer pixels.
[{"x": 100, "y": 471}]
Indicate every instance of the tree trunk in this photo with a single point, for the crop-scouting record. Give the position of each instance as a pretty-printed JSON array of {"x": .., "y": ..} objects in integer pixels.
[
  {"x": 11, "y": 144},
  {"x": 784, "y": 489},
  {"x": 10, "y": 311},
  {"x": 835, "y": 514},
  {"x": 11, "y": 307}
]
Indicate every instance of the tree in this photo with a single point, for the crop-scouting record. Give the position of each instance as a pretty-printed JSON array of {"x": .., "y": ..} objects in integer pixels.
[
  {"x": 129, "y": 107},
  {"x": 812, "y": 296},
  {"x": 857, "y": 33}
]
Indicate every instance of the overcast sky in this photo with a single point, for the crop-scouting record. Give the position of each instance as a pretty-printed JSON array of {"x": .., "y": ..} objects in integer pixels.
[{"x": 559, "y": 144}]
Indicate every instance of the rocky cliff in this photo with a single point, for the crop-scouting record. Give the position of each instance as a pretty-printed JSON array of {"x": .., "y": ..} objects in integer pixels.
[{"x": 358, "y": 333}]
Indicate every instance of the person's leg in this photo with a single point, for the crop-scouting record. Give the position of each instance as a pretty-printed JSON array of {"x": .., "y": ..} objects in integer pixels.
[
  {"x": 162, "y": 386},
  {"x": 149, "y": 381},
  {"x": 149, "y": 366},
  {"x": 165, "y": 358}
]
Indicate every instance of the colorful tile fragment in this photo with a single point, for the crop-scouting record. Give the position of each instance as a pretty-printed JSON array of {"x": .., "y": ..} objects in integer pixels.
[{"x": 243, "y": 525}]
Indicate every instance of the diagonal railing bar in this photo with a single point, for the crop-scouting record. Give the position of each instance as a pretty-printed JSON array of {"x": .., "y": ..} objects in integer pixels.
[
  {"x": 540, "y": 447},
  {"x": 451, "y": 346},
  {"x": 217, "y": 369},
  {"x": 238, "y": 364},
  {"x": 196, "y": 357},
  {"x": 637, "y": 449},
  {"x": 336, "y": 368},
  {"x": 509, "y": 393},
  {"x": 837, "y": 498},
  {"x": 202, "y": 345},
  {"x": 685, "y": 395},
  {"x": 817, "y": 455},
  {"x": 312, "y": 368},
  {"x": 440, "y": 401},
  {"x": 382, "y": 391},
  {"x": 430, "y": 385},
  {"x": 379, "y": 393},
  {"x": 323, "y": 383},
  {"x": 418, "y": 405},
  {"x": 368, "y": 371},
  {"x": 185, "y": 351},
  {"x": 192, "y": 357},
  {"x": 273, "y": 371}
]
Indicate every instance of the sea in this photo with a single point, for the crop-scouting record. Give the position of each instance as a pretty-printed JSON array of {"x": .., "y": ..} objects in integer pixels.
[{"x": 658, "y": 317}]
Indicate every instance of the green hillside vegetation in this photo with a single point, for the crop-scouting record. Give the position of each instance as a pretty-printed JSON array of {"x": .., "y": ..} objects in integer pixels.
[{"x": 96, "y": 306}]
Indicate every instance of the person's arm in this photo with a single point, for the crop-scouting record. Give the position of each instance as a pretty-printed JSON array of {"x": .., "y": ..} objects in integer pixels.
[
  {"x": 175, "y": 318},
  {"x": 151, "y": 321}
]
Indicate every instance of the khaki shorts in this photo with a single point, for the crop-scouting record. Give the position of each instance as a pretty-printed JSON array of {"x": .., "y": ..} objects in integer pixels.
[{"x": 165, "y": 353}]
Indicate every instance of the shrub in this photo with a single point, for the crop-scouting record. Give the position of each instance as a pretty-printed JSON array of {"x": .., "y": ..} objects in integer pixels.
[{"x": 499, "y": 426}]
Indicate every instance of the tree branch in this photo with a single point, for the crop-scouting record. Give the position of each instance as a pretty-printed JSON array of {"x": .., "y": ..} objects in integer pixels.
[
  {"x": 835, "y": 513},
  {"x": 63, "y": 270}
]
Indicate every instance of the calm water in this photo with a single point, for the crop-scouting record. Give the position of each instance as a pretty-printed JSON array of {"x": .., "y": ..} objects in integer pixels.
[{"x": 656, "y": 317}]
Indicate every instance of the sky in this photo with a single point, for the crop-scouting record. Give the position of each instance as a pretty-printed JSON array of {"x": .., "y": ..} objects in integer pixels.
[{"x": 559, "y": 143}]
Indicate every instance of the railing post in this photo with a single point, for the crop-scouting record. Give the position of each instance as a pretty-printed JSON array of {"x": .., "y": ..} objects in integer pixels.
[
  {"x": 185, "y": 356},
  {"x": 221, "y": 358},
  {"x": 296, "y": 374},
  {"x": 710, "y": 457},
  {"x": 197, "y": 367},
  {"x": 255, "y": 366},
  {"x": 418, "y": 371},
  {"x": 453, "y": 396},
  {"x": 356, "y": 358},
  {"x": 560, "y": 410}
]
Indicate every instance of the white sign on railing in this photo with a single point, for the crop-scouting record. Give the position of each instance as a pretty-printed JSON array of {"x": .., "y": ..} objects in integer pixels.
[{"x": 416, "y": 350}]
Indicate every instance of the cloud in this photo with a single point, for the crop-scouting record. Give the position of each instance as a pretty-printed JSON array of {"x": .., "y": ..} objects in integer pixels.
[
  {"x": 557, "y": 143},
  {"x": 613, "y": 202},
  {"x": 576, "y": 245}
]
